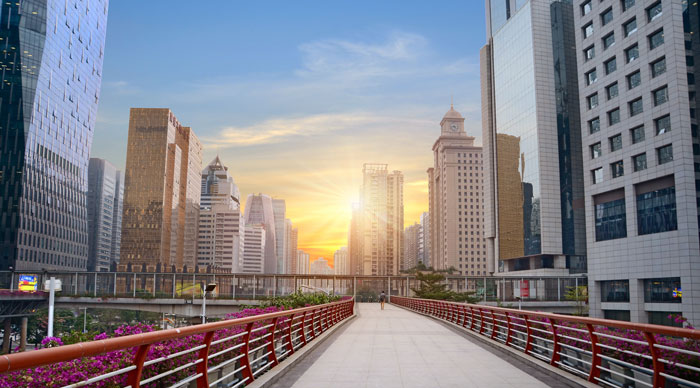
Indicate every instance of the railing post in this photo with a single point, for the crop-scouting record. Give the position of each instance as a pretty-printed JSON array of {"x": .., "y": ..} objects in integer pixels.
[
  {"x": 202, "y": 367},
  {"x": 659, "y": 380},
  {"x": 174, "y": 284},
  {"x": 510, "y": 330},
  {"x": 114, "y": 286},
  {"x": 271, "y": 347},
  {"x": 556, "y": 348},
  {"x": 247, "y": 371},
  {"x": 493, "y": 325},
  {"x": 154, "y": 285},
  {"x": 594, "y": 373},
  {"x": 471, "y": 317},
  {"x": 290, "y": 342},
  {"x": 481, "y": 320},
  {"x": 94, "y": 292},
  {"x": 303, "y": 328},
  {"x": 134, "y": 378},
  {"x": 313, "y": 324},
  {"x": 134, "y": 290},
  {"x": 528, "y": 343}
]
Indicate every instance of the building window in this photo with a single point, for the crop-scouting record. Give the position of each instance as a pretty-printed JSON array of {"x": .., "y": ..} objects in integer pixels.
[
  {"x": 626, "y": 4},
  {"x": 634, "y": 80},
  {"x": 589, "y": 53},
  {"x": 630, "y": 27},
  {"x": 586, "y": 8},
  {"x": 632, "y": 53},
  {"x": 591, "y": 77},
  {"x": 596, "y": 150},
  {"x": 610, "y": 220},
  {"x": 658, "y": 67},
  {"x": 608, "y": 40},
  {"x": 656, "y": 211},
  {"x": 615, "y": 291},
  {"x": 597, "y": 175},
  {"x": 640, "y": 162},
  {"x": 610, "y": 65},
  {"x": 662, "y": 125},
  {"x": 594, "y": 125},
  {"x": 611, "y": 90},
  {"x": 660, "y": 96},
  {"x": 592, "y": 101},
  {"x": 617, "y": 169},
  {"x": 664, "y": 318},
  {"x": 663, "y": 290},
  {"x": 654, "y": 11},
  {"x": 614, "y": 116},
  {"x": 607, "y": 16},
  {"x": 636, "y": 107},
  {"x": 637, "y": 134},
  {"x": 664, "y": 154},
  {"x": 617, "y": 315},
  {"x": 588, "y": 30},
  {"x": 656, "y": 39}
]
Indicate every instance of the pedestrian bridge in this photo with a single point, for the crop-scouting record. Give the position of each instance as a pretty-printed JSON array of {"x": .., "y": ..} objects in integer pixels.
[{"x": 411, "y": 343}]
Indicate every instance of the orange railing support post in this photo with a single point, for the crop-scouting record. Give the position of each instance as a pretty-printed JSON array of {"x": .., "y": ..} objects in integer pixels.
[
  {"x": 556, "y": 348},
  {"x": 134, "y": 378},
  {"x": 659, "y": 380},
  {"x": 202, "y": 367},
  {"x": 594, "y": 373},
  {"x": 247, "y": 371},
  {"x": 290, "y": 342},
  {"x": 271, "y": 347}
]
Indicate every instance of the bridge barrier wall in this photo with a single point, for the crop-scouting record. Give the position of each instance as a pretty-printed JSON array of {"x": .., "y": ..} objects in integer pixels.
[
  {"x": 603, "y": 351},
  {"x": 228, "y": 353}
]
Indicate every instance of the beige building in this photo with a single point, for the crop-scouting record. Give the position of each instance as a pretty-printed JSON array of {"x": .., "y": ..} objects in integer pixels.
[
  {"x": 340, "y": 262},
  {"x": 456, "y": 200},
  {"x": 253, "y": 255},
  {"x": 411, "y": 241},
  {"x": 381, "y": 220},
  {"x": 293, "y": 240},
  {"x": 302, "y": 263},
  {"x": 162, "y": 192}
]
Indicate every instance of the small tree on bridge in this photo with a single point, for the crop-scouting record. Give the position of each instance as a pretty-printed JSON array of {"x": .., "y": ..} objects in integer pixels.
[{"x": 433, "y": 286}]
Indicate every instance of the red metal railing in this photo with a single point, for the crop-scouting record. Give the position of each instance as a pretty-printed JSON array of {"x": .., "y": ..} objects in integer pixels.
[
  {"x": 605, "y": 352},
  {"x": 232, "y": 352}
]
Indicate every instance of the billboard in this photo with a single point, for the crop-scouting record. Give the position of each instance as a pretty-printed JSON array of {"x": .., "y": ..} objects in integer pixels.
[{"x": 28, "y": 283}]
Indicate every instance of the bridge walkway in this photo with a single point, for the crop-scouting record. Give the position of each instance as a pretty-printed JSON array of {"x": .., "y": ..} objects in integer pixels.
[{"x": 399, "y": 348}]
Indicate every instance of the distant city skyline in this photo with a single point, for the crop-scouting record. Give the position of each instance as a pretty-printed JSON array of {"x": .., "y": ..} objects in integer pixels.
[{"x": 295, "y": 115}]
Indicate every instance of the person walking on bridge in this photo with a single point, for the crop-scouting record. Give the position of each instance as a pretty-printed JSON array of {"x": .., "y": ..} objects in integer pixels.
[{"x": 382, "y": 299}]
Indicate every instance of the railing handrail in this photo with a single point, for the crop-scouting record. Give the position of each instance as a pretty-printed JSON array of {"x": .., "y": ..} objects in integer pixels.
[
  {"x": 31, "y": 359},
  {"x": 656, "y": 329}
]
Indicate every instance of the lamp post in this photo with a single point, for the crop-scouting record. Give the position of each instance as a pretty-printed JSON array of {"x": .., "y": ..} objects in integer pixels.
[
  {"x": 209, "y": 288},
  {"x": 84, "y": 319}
]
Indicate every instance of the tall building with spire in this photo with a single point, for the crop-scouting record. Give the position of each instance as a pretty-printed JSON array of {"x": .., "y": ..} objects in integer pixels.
[
  {"x": 455, "y": 186},
  {"x": 219, "y": 243},
  {"x": 259, "y": 211},
  {"x": 48, "y": 107},
  {"x": 162, "y": 190}
]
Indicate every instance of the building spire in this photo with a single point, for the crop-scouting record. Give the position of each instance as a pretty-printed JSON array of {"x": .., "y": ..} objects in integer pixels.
[{"x": 452, "y": 101}]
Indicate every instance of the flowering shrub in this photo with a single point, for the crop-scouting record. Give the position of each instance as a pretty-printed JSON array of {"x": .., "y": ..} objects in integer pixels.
[{"x": 64, "y": 373}]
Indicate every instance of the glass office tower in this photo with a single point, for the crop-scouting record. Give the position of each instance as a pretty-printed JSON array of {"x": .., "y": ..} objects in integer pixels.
[{"x": 51, "y": 69}]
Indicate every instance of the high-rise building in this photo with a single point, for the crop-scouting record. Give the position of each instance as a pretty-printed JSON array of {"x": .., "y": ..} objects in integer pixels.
[
  {"x": 320, "y": 267},
  {"x": 254, "y": 245},
  {"x": 302, "y": 263},
  {"x": 259, "y": 210},
  {"x": 424, "y": 240},
  {"x": 292, "y": 241},
  {"x": 533, "y": 183},
  {"x": 161, "y": 192},
  {"x": 340, "y": 262},
  {"x": 279, "y": 209},
  {"x": 641, "y": 163},
  {"x": 355, "y": 242},
  {"x": 104, "y": 203},
  {"x": 455, "y": 186},
  {"x": 48, "y": 107},
  {"x": 219, "y": 243},
  {"x": 411, "y": 238},
  {"x": 381, "y": 220}
]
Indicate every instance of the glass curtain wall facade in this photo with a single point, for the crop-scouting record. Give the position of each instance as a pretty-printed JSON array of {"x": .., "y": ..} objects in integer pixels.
[{"x": 52, "y": 53}]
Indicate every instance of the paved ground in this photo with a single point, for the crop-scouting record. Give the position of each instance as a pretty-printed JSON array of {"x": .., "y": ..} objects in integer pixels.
[{"x": 398, "y": 348}]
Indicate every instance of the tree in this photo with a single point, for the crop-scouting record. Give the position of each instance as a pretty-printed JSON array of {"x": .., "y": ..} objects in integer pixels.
[
  {"x": 432, "y": 286},
  {"x": 579, "y": 295}
]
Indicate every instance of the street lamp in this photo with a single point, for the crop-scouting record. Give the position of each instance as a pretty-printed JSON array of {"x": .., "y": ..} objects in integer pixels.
[
  {"x": 315, "y": 289},
  {"x": 209, "y": 288},
  {"x": 84, "y": 319}
]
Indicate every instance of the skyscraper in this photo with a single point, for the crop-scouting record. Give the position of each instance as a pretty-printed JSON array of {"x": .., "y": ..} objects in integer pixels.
[
  {"x": 639, "y": 110},
  {"x": 424, "y": 242},
  {"x": 279, "y": 209},
  {"x": 381, "y": 220},
  {"x": 302, "y": 262},
  {"x": 162, "y": 192},
  {"x": 260, "y": 211},
  {"x": 355, "y": 242},
  {"x": 456, "y": 199},
  {"x": 292, "y": 241},
  {"x": 320, "y": 267},
  {"x": 254, "y": 245},
  {"x": 340, "y": 261},
  {"x": 533, "y": 183},
  {"x": 219, "y": 243},
  {"x": 104, "y": 204},
  {"x": 411, "y": 238},
  {"x": 52, "y": 71}
]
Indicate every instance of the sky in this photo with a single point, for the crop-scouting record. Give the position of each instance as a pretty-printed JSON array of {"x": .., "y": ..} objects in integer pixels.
[{"x": 294, "y": 96}]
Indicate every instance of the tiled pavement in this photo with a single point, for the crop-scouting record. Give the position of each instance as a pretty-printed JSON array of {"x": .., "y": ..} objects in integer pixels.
[{"x": 398, "y": 348}]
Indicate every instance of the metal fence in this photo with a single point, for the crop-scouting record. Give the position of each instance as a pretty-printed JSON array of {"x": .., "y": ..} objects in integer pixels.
[{"x": 606, "y": 352}]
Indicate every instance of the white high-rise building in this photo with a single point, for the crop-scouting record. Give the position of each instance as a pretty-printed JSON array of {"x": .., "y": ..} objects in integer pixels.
[
  {"x": 424, "y": 239},
  {"x": 254, "y": 244},
  {"x": 219, "y": 242},
  {"x": 260, "y": 211},
  {"x": 302, "y": 262},
  {"x": 104, "y": 204},
  {"x": 320, "y": 267},
  {"x": 291, "y": 251},
  {"x": 340, "y": 262},
  {"x": 279, "y": 209},
  {"x": 411, "y": 239}
]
